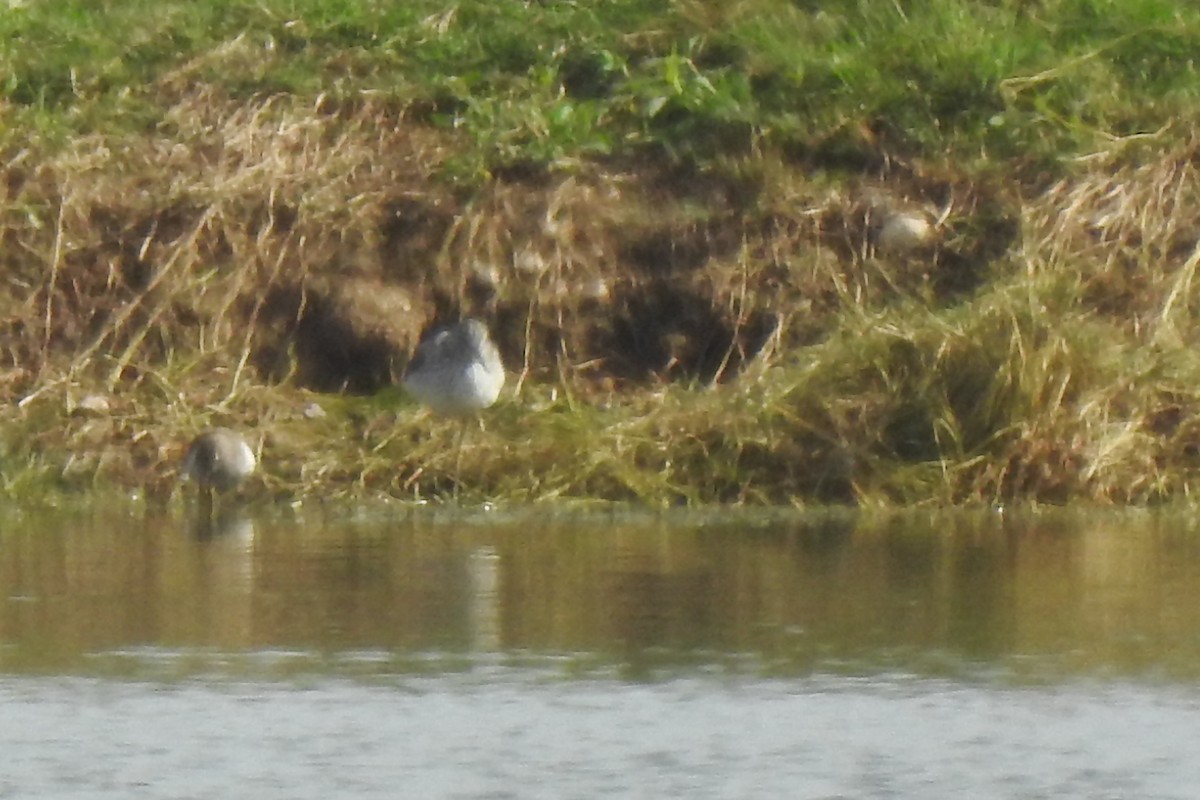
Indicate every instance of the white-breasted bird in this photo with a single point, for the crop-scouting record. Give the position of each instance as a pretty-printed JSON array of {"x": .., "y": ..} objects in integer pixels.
[{"x": 456, "y": 370}]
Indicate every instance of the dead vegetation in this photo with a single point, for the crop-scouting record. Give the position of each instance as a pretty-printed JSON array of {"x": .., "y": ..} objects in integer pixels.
[{"x": 730, "y": 334}]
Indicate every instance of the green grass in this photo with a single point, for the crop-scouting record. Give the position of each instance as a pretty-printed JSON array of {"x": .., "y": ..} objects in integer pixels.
[{"x": 546, "y": 84}]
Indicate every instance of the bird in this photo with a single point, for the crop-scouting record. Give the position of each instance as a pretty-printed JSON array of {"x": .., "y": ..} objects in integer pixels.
[
  {"x": 219, "y": 459},
  {"x": 456, "y": 370}
]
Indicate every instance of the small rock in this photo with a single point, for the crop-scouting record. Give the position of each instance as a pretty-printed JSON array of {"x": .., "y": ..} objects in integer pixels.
[
  {"x": 94, "y": 404},
  {"x": 904, "y": 232},
  {"x": 530, "y": 262}
]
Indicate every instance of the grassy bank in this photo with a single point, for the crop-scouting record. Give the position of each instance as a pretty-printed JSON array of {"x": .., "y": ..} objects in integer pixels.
[{"x": 670, "y": 213}]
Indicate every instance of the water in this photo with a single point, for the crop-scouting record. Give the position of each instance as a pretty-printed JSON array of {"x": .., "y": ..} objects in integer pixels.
[{"x": 521, "y": 655}]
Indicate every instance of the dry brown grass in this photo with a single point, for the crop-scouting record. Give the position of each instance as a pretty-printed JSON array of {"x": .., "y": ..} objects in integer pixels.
[
  {"x": 300, "y": 240},
  {"x": 731, "y": 335},
  {"x": 198, "y": 237},
  {"x": 1124, "y": 237}
]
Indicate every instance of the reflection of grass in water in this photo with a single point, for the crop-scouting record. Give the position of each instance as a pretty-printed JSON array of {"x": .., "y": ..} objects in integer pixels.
[
  {"x": 981, "y": 597},
  {"x": 210, "y": 207}
]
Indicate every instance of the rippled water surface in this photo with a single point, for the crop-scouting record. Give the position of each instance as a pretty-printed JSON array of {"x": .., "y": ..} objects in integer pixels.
[{"x": 486, "y": 655}]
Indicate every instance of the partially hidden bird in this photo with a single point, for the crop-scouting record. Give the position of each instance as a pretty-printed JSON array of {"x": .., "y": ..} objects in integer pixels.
[{"x": 456, "y": 370}]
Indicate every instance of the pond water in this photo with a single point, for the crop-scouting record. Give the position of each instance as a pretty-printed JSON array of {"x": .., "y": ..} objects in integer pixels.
[{"x": 531, "y": 655}]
